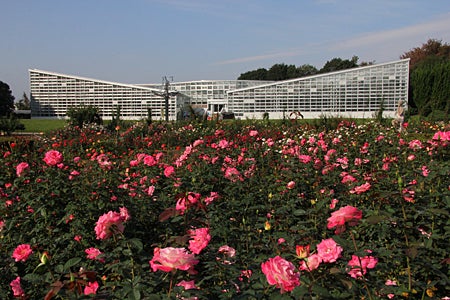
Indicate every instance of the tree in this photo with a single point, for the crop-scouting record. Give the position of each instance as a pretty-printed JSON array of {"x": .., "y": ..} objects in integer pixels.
[
  {"x": 430, "y": 79},
  {"x": 81, "y": 115},
  {"x": 24, "y": 103},
  {"x": 337, "y": 64},
  {"x": 278, "y": 72},
  {"x": 306, "y": 70},
  {"x": 6, "y": 100},
  {"x": 259, "y": 74},
  {"x": 430, "y": 49}
]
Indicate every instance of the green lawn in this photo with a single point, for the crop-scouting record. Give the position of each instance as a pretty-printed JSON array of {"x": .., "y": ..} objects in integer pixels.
[{"x": 42, "y": 125}]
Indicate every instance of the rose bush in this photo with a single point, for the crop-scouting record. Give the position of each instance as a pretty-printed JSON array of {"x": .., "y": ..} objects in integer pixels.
[{"x": 241, "y": 210}]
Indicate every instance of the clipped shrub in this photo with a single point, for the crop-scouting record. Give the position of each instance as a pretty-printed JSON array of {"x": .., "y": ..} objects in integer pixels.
[{"x": 83, "y": 115}]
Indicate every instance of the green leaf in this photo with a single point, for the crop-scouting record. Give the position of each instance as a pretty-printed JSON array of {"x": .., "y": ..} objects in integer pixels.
[
  {"x": 32, "y": 277},
  {"x": 375, "y": 219},
  {"x": 321, "y": 291},
  {"x": 299, "y": 212},
  {"x": 135, "y": 294},
  {"x": 257, "y": 286},
  {"x": 437, "y": 211},
  {"x": 71, "y": 262},
  {"x": 136, "y": 244},
  {"x": 412, "y": 252}
]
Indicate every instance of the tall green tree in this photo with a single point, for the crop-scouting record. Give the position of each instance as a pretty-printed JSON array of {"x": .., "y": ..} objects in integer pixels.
[
  {"x": 421, "y": 82},
  {"x": 6, "y": 100},
  {"x": 24, "y": 103},
  {"x": 430, "y": 79}
]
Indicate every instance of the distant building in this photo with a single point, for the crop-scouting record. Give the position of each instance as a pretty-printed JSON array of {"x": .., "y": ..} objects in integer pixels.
[
  {"x": 358, "y": 92},
  {"x": 22, "y": 113}
]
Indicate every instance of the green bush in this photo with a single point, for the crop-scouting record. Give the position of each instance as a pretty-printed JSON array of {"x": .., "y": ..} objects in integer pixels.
[
  {"x": 11, "y": 124},
  {"x": 83, "y": 115}
]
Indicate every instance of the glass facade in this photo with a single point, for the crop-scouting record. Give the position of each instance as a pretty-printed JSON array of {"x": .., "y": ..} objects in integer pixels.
[
  {"x": 358, "y": 92},
  {"x": 209, "y": 94},
  {"x": 355, "y": 92},
  {"x": 52, "y": 94}
]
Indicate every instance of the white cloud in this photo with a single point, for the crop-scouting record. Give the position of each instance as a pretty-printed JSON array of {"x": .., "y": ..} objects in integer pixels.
[
  {"x": 439, "y": 28},
  {"x": 376, "y": 46}
]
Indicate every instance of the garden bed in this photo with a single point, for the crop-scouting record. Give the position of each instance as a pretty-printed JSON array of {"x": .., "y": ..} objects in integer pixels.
[{"x": 231, "y": 210}]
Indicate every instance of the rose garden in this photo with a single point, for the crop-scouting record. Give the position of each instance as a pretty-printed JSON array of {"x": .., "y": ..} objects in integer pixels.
[{"x": 227, "y": 210}]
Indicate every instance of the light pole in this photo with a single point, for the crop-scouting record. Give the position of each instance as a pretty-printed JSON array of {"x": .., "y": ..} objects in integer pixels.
[{"x": 166, "y": 94}]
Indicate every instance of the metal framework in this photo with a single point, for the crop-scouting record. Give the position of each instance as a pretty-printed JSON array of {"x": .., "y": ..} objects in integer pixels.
[{"x": 355, "y": 92}]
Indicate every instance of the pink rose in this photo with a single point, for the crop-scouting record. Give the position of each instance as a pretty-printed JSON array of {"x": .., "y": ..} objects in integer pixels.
[
  {"x": 187, "y": 285},
  {"x": 168, "y": 259},
  {"x": 53, "y": 157},
  {"x": 169, "y": 171},
  {"x": 245, "y": 274},
  {"x": 360, "y": 189},
  {"x": 310, "y": 263},
  {"x": 150, "y": 190},
  {"x": 200, "y": 239},
  {"x": 333, "y": 203},
  {"x": 93, "y": 253},
  {"x": 227, "y": 250},
  {"x": 197, "y": 143},
  {"x": 290, "y": 185},
  {"x": 22, "y": 252},
  {"x": 281, "y": 273},
  {"x": 213, "y": 196},
  {"x": 233, "y": 174},
  {"x": 187, "y": 201},
  {"x": 110, "y": 223},
  {"x": 442, "y": 136},
  {"x": 253, "y": 133},
  {"x": 149, "y": 160},
  {"x": 390, "y": 282},
  {"x": 91, "y": 288},
  {"x": 359, "y": 265},
  {"x": 347, "y": 214},
  {"x": 223, "y": 144},
  {"x": 415, "y": 145},
  {"x": 347, "y": 178},
  {"x": 328, "y": 250},
  {"x": 22, "y": 167},
  {"x": 425, "y": 171},
  {"x": 104, "y": 162},
  {"x": 17, "y": 288},
  {"x": 124, "y": 214},
  {"x": 304, "y": 158}
]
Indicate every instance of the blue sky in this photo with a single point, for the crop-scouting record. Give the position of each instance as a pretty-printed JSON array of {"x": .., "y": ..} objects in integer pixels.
[{"x": 139, "y": 41}]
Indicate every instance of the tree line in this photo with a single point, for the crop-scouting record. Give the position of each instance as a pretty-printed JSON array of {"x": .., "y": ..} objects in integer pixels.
[{"x": 283, "y": 72}]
